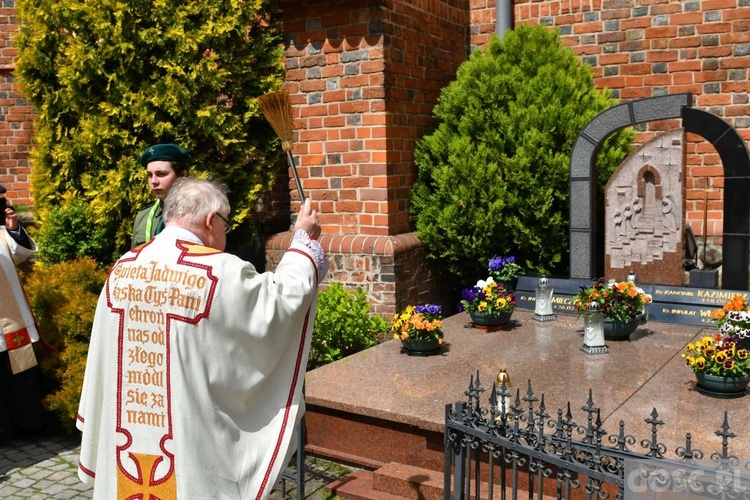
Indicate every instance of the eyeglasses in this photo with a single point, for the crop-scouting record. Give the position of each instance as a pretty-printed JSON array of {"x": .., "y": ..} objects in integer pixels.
[{"x": 227, "y": 227}]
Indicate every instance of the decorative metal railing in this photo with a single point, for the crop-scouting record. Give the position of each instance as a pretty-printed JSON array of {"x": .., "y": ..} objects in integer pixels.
[{"x": 513, "y": 446}]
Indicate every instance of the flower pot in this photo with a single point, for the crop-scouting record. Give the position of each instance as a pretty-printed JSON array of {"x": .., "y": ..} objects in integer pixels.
[
  {"x": 421, "y": 347},
  {"x": 615, "y": 329},
  {"x": 722, "y": 387},
  {"x": 486, "y": 320}
]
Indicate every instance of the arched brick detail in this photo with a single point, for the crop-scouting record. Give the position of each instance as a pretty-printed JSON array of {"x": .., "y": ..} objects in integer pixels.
[{"x": 642, "y": 180}]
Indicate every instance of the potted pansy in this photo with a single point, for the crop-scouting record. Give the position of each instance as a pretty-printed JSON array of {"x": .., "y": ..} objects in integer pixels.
[
  {"x": 505, "y": 271},
  {"x": 733, "y": 319},
  {"x": 419, "y": 328},
  {"x": 488, "y": 303},
  {"x": 720, "y": 364}
]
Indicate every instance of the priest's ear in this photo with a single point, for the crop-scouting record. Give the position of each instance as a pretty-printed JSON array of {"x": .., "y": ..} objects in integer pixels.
[{"x": 209, "y": 221}]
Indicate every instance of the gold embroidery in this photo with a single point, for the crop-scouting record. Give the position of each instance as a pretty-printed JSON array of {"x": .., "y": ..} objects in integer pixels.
[
  {"x": 195, "y": 249},
  {"x": 145, "y": 487},
  {"x": 18, "y": 340}
]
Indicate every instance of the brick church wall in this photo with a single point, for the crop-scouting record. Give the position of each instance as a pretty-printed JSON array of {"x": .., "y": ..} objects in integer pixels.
[
  {"x": 16, "y": 118},
  {"x": 363, "y": 78},
  {"x": 646, "y": 48}
]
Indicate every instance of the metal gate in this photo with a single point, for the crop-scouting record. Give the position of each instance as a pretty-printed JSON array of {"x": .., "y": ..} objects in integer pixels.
[{"x": 513, "y": 446}]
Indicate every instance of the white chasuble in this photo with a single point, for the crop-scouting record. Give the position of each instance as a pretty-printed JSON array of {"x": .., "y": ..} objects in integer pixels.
[
  {"x": 194, "y": 376},
  {"x": 16, "y": 320}
]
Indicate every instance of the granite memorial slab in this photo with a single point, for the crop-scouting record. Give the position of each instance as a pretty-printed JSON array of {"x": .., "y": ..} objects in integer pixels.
[{"x": 671, "y": 304}]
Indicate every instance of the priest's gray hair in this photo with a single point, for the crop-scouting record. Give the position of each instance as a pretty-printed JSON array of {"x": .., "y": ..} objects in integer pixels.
[{"x": 191, "y": 200}]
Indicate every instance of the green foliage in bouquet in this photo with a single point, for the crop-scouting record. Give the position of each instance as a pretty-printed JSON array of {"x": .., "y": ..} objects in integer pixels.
[
  {"x": 723, "y": 354},
  {"x": 420, "y": 322},
  {"x": 733, "y": 319},
  {"x": 717, "y": 355},
  {"x": 504, "y": 268},
  {"x": 621, "y": 301},
  {"x": 488, "y": 298}
]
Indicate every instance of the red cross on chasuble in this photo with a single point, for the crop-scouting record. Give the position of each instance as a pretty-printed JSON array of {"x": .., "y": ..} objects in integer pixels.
[
  {"x": 20, "y": 351},
  {"x": 145, "y": 487}
]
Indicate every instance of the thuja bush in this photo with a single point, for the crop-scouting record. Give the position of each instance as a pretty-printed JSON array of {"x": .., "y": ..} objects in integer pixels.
[
  {"x": 493, "y": 176},
  {"x": 108, "y": 78},
  {"x": 70, "y": 233},
  {"x": 343, "y": 325},
  {"x": 63, "y": 299}
]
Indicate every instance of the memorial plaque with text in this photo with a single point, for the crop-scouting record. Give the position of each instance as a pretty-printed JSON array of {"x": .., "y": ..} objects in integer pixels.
[{"x": 671, "y": 304}]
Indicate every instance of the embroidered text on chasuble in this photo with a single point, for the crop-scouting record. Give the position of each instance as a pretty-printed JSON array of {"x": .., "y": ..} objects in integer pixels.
[{"x": 148, "y": 296}]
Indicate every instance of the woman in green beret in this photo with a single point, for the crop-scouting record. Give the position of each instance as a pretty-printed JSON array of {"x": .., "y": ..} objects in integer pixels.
[{"x": 165, "y": 163}]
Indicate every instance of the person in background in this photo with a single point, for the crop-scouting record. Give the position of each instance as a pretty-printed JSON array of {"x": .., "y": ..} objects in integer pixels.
[
  {"x": 193, "y": 383},
  {"x": 165, "y": 163},
  {"x": 21, "y": 410}
]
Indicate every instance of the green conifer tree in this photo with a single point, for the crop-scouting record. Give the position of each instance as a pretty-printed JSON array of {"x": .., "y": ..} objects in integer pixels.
[
  {"x": 108, "y": 78},
  {"x": 493, "y": 177}
]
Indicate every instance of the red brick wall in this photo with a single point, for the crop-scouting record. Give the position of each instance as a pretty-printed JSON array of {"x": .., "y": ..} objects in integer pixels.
[
  {"x": 427, "y": 43},
  {"x": 393, "y": 269},
  {"x": 363, "y": 77},
  {"x": 645, "y": 48},
  {"x": 16, "y": 120}
]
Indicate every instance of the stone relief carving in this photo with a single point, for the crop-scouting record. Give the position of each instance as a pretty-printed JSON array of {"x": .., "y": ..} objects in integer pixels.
[{"x": 644, "y": 203}]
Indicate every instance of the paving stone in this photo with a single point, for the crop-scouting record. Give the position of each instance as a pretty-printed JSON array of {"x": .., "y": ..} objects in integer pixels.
[
  {"x": 8, "y": 490},
  {"x": 47, "y": 469},
  {"x": 44, "y": 483},
  {"x": 37, "y": 474},
  {"x": 67, "y": 494},
  {"x": 24, "y": 482}
]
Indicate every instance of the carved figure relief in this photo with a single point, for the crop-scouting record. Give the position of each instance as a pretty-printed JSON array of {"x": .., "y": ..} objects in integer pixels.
[
  {"x": 670, "y": 221},
  {"x": 644, "y": 203}
]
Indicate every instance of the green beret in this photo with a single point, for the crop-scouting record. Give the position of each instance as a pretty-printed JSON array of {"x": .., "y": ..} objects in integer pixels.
[{"x": 164, "y": 152}]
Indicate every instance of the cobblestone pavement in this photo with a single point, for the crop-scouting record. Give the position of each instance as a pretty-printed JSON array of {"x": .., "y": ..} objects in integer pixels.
[
  {"x": 41, "y": 468},
  {"x": 45, "y": 468}
]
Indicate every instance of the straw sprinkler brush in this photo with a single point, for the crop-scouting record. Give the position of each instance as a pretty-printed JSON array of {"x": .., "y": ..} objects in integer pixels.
[{"x": 277, "y": 109}]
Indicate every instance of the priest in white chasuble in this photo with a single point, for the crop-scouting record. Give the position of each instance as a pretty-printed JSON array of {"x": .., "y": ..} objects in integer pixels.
[
  {"x": 21, "y": 410},
  {"x": 194, "y": 376}
]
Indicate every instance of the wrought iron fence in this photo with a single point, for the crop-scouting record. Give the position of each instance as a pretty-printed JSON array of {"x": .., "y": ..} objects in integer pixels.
[{"x": 514, "y": 446}]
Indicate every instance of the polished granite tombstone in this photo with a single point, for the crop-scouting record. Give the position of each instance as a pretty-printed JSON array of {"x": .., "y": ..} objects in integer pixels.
[{"x": 381, "y": 406}]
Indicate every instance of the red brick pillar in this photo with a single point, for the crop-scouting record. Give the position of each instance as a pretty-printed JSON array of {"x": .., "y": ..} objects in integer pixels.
[{"x": 363, "y": 77}]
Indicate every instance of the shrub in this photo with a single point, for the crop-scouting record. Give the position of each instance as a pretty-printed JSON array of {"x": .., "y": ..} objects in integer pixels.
[
  {"x": 63, "y": 299},
  {"x": 108, "y": 78},
  {"x": 69, "y": 233},
  {"x": 493, "y": 177},
  {"x": 343, "y": 325}
]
